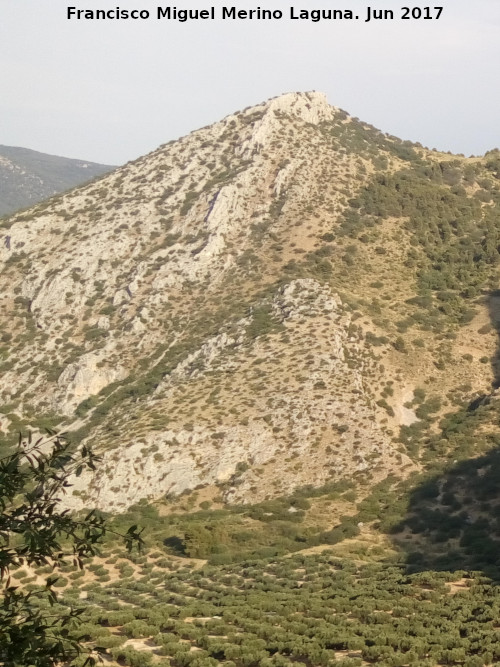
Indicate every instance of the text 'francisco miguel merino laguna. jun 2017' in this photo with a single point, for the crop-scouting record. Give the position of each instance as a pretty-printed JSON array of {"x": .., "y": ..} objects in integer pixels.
[{"x": 231, "y": 13}]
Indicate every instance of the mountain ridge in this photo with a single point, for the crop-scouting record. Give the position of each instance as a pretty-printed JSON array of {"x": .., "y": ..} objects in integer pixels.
[
  {"x": 235, "y": 309},
  {"x": 28, "y": 176}
]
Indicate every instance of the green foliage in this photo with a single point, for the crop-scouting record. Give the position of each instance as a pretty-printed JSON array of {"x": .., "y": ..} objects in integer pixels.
[
  {"x": 189, "y": 200},
  {"x": 455, "y": 240},
  {"x": 303, "y": 610},
  {"x": 399, "y": 344},
  {"x": 455, "y": 506},
  {"x": 428, "y": 407},
  {"x": 263, "y": 322},
  {"x": 229, "y": 535},
  {"x": 362, "y": 139},
  {"x": 34, "y": 531}
]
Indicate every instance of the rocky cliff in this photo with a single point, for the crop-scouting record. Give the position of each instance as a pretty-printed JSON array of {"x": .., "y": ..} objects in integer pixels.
[{"x": 205, "y": 315}]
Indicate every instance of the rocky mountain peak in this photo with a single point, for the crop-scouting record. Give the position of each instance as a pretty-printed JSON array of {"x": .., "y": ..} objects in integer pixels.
[
  {"x": 236, "y": 308},
  {"x": 311, "y": 107}
]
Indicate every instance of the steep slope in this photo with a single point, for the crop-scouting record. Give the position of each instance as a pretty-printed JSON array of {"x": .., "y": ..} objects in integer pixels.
[
  {"x": 259, "y": 305},
  {"x": 27, "y": 177}
]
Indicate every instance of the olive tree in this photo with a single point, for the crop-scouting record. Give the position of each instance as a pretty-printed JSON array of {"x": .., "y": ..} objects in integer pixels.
[{"x": 35, "y": 531}]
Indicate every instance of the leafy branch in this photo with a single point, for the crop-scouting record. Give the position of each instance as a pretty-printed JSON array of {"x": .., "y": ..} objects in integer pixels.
[{"x": 34, "y": 530}]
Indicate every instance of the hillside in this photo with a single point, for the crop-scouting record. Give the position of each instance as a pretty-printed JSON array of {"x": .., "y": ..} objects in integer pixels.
[
  {"x": 318, "y": 610},
  {"x": 27, "y": 177},
  {"x": 285, "y": 298}
]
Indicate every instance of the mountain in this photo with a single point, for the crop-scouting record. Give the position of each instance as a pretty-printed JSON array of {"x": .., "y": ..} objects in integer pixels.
[
  {"x": 27, "y": 177},
  {"x": 287, "y": 298}
]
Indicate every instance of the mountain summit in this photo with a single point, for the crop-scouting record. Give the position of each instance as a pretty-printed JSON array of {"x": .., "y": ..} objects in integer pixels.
[{"x": 268, "y": 302}]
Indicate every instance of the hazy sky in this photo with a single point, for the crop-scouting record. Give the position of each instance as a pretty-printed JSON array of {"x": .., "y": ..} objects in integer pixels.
[{"x": 112, "y": 90}]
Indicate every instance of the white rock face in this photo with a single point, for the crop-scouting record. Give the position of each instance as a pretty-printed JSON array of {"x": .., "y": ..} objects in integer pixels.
[
  {"x": 316, "y": 417},
  {"x": 405, "y": 416},
  {"x": 309, "y": 107},
  {"x": 82, "y": 379},
  {"x": 155, "y": 277},
  {"x": 166, "y": 464},
  {"x": 303, "y": 296},
  {"x": 218, "y": 217}
]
